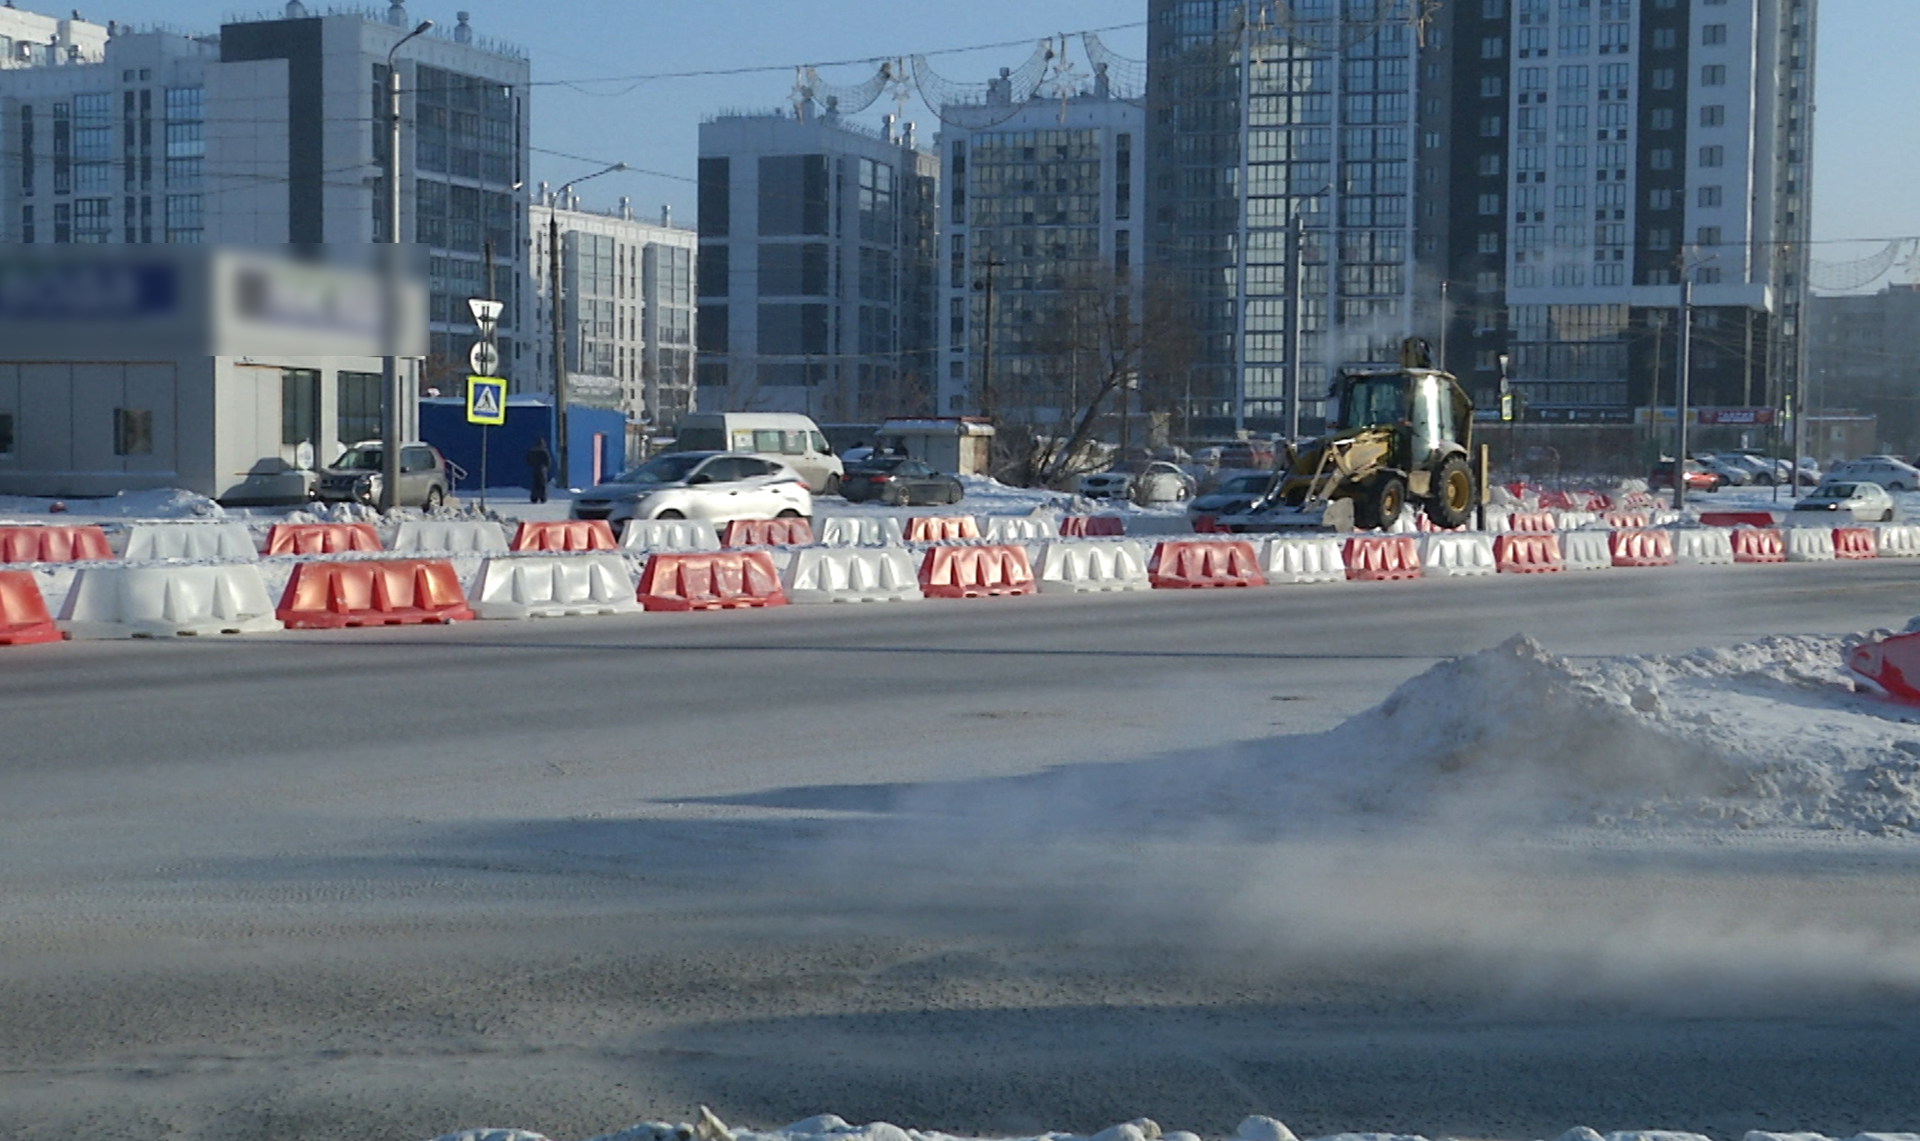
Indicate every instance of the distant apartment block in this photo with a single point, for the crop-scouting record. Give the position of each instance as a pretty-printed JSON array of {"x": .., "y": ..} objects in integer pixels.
[
  {"x": 816, "y": 268},
  {"x": 628, "y": 305},
  {"x": 1861, "y": 357}
]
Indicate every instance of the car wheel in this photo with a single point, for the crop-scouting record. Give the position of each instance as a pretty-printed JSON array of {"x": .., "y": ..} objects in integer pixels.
[
  {"x": 1898, "y": 487},
  {"x": 954, "y": 494},
  {"x": 670, "y": 514},
  {"x": 436, "y": 499},
  {"x": 1886, "y": 516},
  {"x": 832, "y": 487},
  {"x": 789, "y": 513},
  {"x": 894, "y": 496}
]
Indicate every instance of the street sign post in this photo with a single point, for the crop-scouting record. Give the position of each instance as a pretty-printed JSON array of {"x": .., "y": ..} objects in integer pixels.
[{"x": 486, "y": 394}]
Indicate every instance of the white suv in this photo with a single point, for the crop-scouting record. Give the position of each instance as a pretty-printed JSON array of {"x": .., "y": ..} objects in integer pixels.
[{"x": 719, "y": 486}]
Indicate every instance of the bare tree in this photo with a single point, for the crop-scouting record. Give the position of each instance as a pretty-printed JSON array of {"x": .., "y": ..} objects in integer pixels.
[{"x": 1104, "y": 343}]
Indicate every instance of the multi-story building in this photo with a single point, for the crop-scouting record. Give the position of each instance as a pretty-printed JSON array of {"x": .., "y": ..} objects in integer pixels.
[
  {"x": 274, "y": 132},
  {"x": 816, "y": 268},
  {"x": 628, "y": 297},
  {"x": 1041, "y": 204},
  {"x": 1861, "y": 356},
  {"x": 1527, "y": 177}
]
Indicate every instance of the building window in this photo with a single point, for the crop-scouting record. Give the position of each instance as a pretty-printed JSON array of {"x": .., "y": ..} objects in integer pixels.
[
  {"x": 1707, "y": 275},
  {"x": 793, "y": 195},
  {"x": 1659, "y": 238},
  {"x": 6, "y": 433},
  {"x": 92, "y": 220},
  {"x": 1493, "y": 47},
  {"x": 26, "y": 224},
  {"x": 1660, "y": 199},
  {"x": 1488, "y": 242},
  {"x": 1660, "y": 158},
  {"x": 1489, "y": 164},
  {"x": 1713, "y": 75},
  {"x": 1662, "y": 79},
  {"x": 1708, "y": 236},
  {"x": 26, "y": 149},
  {"x": 1661, "y": 119},
  {"x": 1491, "y": 87},
  {"x": 1709, "y": 196},
  {"x": 62, "y": 222},
  {"x": 1489, "y": 204},
  {"x": 1713, "y": 115},
  {"x": 359, "y": 407},
  {"x": 1712, "y": 156},
  {"x": 1711, "y": 34},
  {"x": 715, "y": 200},
  {"x": 132, "y": 432},
  {"x": 299, "y": 406},
  {"x": 1665, "y": 39},
  {"x": 186, "y": 142},
  {"x": 1489, "y": 126}
]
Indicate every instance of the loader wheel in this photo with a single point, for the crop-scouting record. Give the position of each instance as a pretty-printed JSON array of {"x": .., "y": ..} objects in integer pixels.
[
  {"x": 1452, "y": 502},
  {"x": 1380, "y": 507}
]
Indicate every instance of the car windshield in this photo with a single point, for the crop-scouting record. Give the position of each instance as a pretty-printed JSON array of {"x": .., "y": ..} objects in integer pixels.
[
  {"x": 1836, "y": 491},
  {"x": 670, "y": 468},
  {"x": 360, "y": 459},
  {"x": 1377, "y": 400}
]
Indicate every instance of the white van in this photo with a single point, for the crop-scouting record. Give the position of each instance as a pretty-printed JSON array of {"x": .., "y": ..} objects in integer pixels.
[{"x": 788, "y": 437}]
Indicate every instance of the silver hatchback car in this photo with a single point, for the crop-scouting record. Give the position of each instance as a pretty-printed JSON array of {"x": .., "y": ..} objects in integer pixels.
[{"x": 355, "y": 477}]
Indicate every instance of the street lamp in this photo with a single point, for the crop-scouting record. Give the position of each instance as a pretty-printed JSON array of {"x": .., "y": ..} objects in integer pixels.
[
  {"x": 390, "y": 365},
  {"x": 559, "y": 337}
]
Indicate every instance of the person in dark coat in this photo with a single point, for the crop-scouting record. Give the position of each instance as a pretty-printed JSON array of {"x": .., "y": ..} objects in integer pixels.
[{"x": 539, "y": 463}]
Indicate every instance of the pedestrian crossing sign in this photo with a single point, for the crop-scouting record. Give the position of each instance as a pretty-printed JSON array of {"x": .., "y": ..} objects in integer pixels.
[{"x": 486, "y": 400}]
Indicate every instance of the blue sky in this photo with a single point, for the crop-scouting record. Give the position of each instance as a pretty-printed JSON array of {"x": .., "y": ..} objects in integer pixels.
[{"x": 1867, "y": 148}]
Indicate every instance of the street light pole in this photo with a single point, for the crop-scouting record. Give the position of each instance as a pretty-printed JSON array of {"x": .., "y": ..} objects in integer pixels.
[
  {"x": 561, "y": 450},
  {"x": 1684, "y": 383},
  {"x": 390, "y": 364}
]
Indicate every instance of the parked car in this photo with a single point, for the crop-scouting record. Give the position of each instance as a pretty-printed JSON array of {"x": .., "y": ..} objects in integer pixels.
[
  {"x": 357, "y": 475},
  {"x": 1153, "y": 481},
  {"x": 1890, "y": 473},
  {"x": 1731, "y": 472},
  {"x": 1867, "y": 502},
  {"x": 900, "y": 481},
  {"x": 1233, "y": 495},
  {"x": 1764, "y": 470},
  {"x": 720, "y": 486},
  {"x": 1699, "y": 477}
]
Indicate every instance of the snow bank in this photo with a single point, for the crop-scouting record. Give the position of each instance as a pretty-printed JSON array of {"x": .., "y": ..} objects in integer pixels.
[
  {"x": 828, "y": 1127},
  {"x": 166, "y": 503}
]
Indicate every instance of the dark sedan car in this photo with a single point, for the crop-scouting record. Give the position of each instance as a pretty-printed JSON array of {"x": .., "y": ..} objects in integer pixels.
[{"x": 900, "y": 481}]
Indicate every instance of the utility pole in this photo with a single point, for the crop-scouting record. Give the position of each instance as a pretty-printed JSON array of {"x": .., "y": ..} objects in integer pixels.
[
  {"x": 1296, "y": 318},
  {"x": 390, "y": 364},
  {"x": 558, "y": 308},
  {"x": 1683, "y": 384}
]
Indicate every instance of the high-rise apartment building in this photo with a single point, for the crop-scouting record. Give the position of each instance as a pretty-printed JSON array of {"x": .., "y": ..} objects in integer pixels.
[
  {"x": 1861, "y": 357},
  {"x": 628, "y": 330},
  {"x": 274, "y": 132},
  {"x": 1041, "y": 202},
  {"x": 816, "y": 268},
  {"x": 1540, "y": 171}
]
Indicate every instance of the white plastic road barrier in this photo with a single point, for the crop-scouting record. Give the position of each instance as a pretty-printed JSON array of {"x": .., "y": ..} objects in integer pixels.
[
  {"x": 1574, "y": 520},
  {"x": 1585, "y": 550},
  {"x": 1404, "y": 525},
  {"x": 1703, "y": 546},
  {"x": 1809, "y": 544},
  {"x": 1087, "y": 565},
  {"x": 554, "y": 586},
  {"x": 851, "y": 574},
  {"x": 1456, "y": 554},
  {"x": 1499, "y": 519},
  {"x": 150, "y": 540},
  {"x": 1304, "y": 558},
  {"x": 452, "y": 536},
  {"x": 165, "y": 601},
  {"x": 1898, "y": 541},
  {"x": 669, "y": 535},
  {"x": 1020, "y": 528},
  {"x": 858, "y": 531},
  {"x": 1663, "y": 517}
]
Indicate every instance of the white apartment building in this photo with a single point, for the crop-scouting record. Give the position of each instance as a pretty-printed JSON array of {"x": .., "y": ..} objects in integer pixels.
[
  {"x": 628, "y": 303},
  {"x": 1041, "y": 199},
  {"x": 816, "y": 268}
]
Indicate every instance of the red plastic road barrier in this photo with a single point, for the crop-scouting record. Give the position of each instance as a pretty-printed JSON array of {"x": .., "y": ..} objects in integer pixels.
[
  {"x": 1091, "y": 526},
  {"x": 1650, "y": 548},
  {"x": 1525, "y": 553},
  {"x": 768, "y": 533},
  {"x": 390, "y": 592},
  {"x": 1628, "y": 520},
  {"x": 52, "y": 544},
  {"x": 1559, "y": 501},
  {"x": 1854, "y": 543},
  {"x": 1382, "y": 558},
  {"x": 976, "y": 572},
  {"x": 1757, "y": 545},
  {"x": 1186, "y": 565},
  {"x": 24, "y": 620},
  {"x": 322, "y": 538},
  {"x": 568, "y": 535},
  {"x": 1891, "y": 665},
  {"x": 1634, "y": 500},
  {"x": 1736, "y": 519},
  {"x": 1204, "y": 525},
  {"x": 1517, "y": 490},
  {"x": 1599, "y": 502},
  {"x": 1426, "y": 525},
  {"x": 1538, "y": 521},
  {"x": 711, "y": 580},
  {"x": 940, "y": 528}
]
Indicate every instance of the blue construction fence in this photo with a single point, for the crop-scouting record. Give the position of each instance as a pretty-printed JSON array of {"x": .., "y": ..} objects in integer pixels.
[{"x": 598, "y": 437}]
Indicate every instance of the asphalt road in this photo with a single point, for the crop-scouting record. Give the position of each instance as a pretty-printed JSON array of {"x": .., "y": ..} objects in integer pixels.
[{"x": 570, "y": 874}]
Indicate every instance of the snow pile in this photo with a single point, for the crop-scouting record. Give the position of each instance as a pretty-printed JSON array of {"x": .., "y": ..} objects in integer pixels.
[
  {"x": 828, "y": 1127},
  {"x": 1765, "y": 734},
  {"x": 164, "y": 503}
]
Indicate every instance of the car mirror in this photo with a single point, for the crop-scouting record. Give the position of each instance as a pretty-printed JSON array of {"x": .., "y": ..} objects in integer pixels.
[{"x": 698, "y": 478}]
